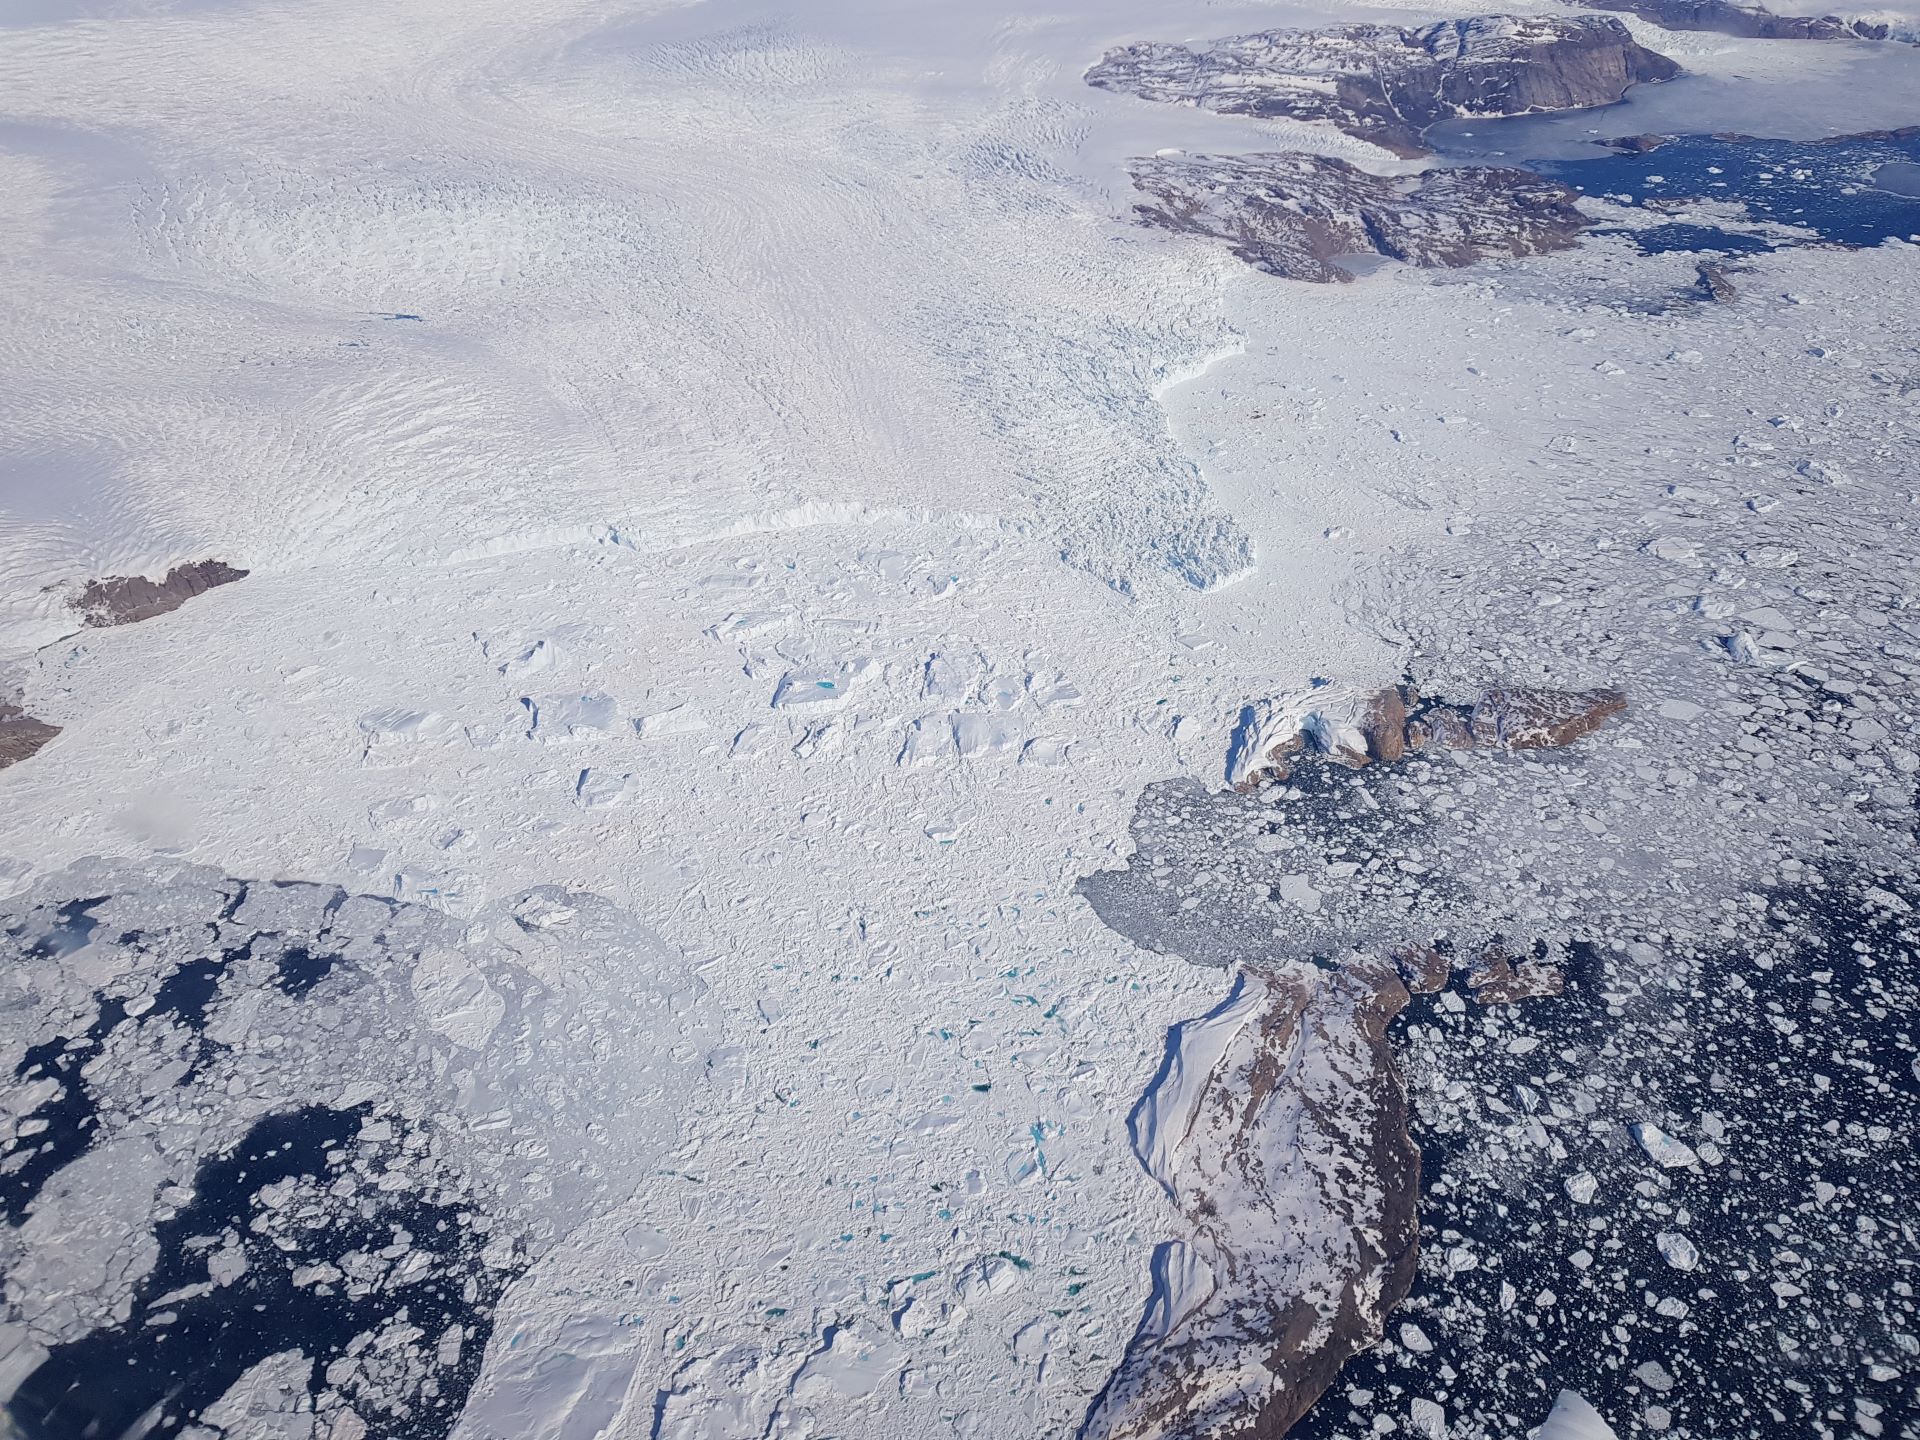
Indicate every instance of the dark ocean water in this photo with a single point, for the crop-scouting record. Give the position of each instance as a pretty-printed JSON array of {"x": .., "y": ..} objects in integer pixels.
[
  {"x": 187, "y": 1342},
  {"x": 321, "y": 1232},
  {"x": 1827, "y": 187},
  {"x": 1791, "y": 1069}
]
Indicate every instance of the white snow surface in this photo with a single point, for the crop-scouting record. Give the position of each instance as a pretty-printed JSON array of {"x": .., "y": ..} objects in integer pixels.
[{"x": 803, "y": 514}]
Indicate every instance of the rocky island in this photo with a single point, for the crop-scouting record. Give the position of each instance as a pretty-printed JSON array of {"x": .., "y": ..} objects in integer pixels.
[
  {"x": 21, "y": 735},
  {"x": 1385, "y": 84},
  {"x": 128, "y": 599},
  {"x": 1300, "y": 216},
  {"x": 1278, "y": 1122},
  {"x": 1297, "y": 215}
]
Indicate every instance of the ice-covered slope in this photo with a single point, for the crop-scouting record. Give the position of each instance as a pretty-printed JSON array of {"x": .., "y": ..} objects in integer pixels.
[
  {"x": 1278, "y": 1125},
  {"x": 549, "y": 272}
]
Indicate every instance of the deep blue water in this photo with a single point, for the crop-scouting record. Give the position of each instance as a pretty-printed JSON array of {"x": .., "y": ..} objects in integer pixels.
[
  {"x": 186, "y": 1336},
  {"x": 1662, "y": 238},
  {"x": 1828, "y": 187},
  {"x": 186, "y": 1342},
  {"x": 1798, "y": 1318}
]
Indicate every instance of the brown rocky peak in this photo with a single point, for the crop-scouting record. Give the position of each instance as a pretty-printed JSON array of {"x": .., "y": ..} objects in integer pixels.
[
  {"x": 1384, "y": 723},
  {"x": 1714, "y": 283},
  {"x": 127, "y": 599},
  {"x": 1392, "y": 722},
  {"x": 1497, "y": 978},
  {"x": 1422, "y": 968},
  {"x": 1529, "y": 718},
  {"x": 21, "y": 735}
]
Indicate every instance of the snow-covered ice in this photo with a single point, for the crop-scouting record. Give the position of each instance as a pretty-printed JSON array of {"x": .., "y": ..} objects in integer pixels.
[{"x": 736, "y": 520}]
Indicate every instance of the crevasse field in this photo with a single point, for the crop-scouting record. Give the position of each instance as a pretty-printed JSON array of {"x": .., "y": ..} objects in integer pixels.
[{"x": 592, "y": 935}]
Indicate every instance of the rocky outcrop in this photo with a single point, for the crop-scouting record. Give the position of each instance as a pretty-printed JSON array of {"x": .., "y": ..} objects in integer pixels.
[
  {"x": 1386, "y": 84},
  {"x": 1524, "y": 717},
  {"x": 1364, "y": 728},
  {"x": 1498, "y": 978},
  {"x": 1714, "y": 283},
  {"x": 127, "y": 599},
  {"x": 1294, "y": 215},
  {"x": 1753, "y": 22},
  {"x": 1278, "y": 1125},
  {"x": 21, "y": 736}
]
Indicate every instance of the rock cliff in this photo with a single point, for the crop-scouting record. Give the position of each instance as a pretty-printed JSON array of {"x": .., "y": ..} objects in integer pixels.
[{"x": 1386, "y": 84}]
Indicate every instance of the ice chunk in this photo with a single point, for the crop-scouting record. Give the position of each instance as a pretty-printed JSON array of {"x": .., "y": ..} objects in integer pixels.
[
  {"x": 597, "y": 789},
  {"x": 851, "y": 1364},
  {"x": 1661, "y": 1147},
  {"x": 1654, "y": 1376},
  {"x": 1673, "y": 548},
  {"x": 1297, "y": 890},
  {"x": 1050, "y": 753},
  {"x": 1677, "y": 1250},
  {"x": 927, "y": 740},
  {"x": 986, "y": 1277},
  {"x": 397, "y": 725},
  {"x": 1053, "y": 692},
  {"x": 921, "y": 1317},
  {"x": 1581, "y": 1187},
  {"x": 680, "y": 719},
  {"x": 455, "y": 999},
  {"x": 945, "y": 678},
  {"x": 1034, "y": 1341},
  {"x": 746, "y": 624},
  {"x": 976, "y": 736},
  {"x": 538, "y": 656},
  {"x": 573, "y": 717},
  {"x": 646, "y": 1243},
  {"x": 1572, "y": 1418},
  {"x": 812, "y": 687}
]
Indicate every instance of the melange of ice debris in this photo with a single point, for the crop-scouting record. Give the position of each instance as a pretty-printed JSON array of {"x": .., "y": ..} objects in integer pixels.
[
  {"x": 347, "y": 1119},
  {"x": 1678, "y": 1185},
  {"x": 1680, "y": 1189}
]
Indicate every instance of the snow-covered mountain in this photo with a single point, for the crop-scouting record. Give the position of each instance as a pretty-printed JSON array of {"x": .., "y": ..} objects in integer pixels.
[{"x": 1386, "y": 84}]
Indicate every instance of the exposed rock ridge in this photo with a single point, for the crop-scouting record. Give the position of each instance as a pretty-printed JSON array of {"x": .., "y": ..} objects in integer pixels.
[
  {"x": 127, "y": 599},
  {"x": 1361, "y": 728},
  {"x": 1293, "y": 215},
  {"x": 1385, "y": 83},
  {"x": 21, "y": 735},
  {"x": 1297, "y": 1181},
  {"x": 1752, "y": 22}
]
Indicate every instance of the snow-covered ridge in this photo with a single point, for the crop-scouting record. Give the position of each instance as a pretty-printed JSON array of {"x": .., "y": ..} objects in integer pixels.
[
  {"x": 1286, "y": 1154},
  {"x": 1755, "y": 21}
]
